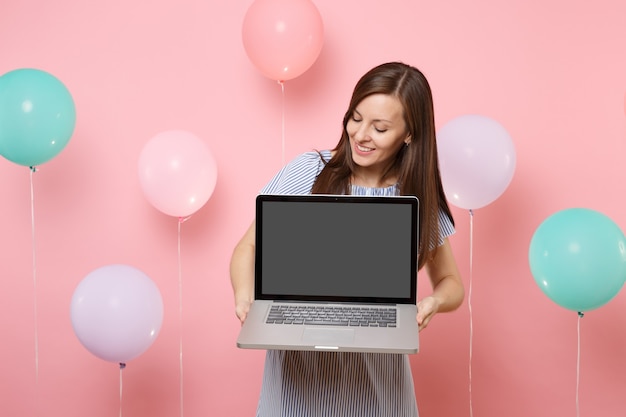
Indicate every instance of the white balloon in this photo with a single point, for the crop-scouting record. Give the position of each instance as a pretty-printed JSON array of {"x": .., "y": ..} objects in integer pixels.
[
  {"x": 477, "y": 160},
  {"x": 116, "y": 312}
]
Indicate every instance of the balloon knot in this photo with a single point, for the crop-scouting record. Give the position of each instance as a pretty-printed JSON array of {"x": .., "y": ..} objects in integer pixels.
[
  {"x": 183, "y": 219},
  {"x": 581, "y": 314},
  {"x": 33, "y": 168},
  {"x": 122, "y": 365}
]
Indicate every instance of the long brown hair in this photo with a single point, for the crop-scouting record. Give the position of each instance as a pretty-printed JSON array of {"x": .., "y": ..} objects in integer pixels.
[{"x": 416, "y": 165}]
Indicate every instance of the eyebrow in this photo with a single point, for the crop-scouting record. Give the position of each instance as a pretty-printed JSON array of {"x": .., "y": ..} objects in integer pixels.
[{"x": 375, "y": 120}]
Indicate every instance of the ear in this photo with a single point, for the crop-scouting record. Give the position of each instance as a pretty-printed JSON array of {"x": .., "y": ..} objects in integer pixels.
[{"x": 407, "y": 140}]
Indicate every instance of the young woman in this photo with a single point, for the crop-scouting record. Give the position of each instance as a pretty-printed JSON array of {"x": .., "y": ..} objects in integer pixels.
[{"x": 387, "y": 147}]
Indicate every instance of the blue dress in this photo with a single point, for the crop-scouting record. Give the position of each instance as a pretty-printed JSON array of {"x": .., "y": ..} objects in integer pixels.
[{"x": 334, "y": 384}]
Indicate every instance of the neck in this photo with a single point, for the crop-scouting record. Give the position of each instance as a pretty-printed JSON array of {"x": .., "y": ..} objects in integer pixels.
[{"x": 372, "y": 180}]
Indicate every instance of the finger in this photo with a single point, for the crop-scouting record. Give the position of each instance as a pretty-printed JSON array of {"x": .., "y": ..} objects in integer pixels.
[
  {"x": 423, "y": 320},
  {"x": 422, "y": 316},
  {"x": 241, "y": 315}
]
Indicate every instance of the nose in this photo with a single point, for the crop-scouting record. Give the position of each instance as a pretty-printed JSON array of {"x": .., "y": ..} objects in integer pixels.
[{"x": 360, "y": 133}]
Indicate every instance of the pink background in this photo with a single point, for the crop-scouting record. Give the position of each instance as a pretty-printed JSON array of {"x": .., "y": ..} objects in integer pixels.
[{"x": 552, "y": 72}]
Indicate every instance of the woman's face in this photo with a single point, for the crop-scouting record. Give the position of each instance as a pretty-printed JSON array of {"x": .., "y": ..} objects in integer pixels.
[{"x": 377, "y": 132}]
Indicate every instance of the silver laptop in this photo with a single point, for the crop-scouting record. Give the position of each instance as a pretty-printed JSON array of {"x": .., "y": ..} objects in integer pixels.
[{"x": 334, "y": 273}]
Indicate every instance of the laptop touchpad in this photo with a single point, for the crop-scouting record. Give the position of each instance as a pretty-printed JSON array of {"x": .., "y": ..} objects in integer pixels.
[{"x": 324, "y": 336}]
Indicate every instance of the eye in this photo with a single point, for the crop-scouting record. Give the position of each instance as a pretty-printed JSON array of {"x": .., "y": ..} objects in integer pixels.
[
  {"x": 380, "y": 130},
  {"x": 356, "y": 116}
]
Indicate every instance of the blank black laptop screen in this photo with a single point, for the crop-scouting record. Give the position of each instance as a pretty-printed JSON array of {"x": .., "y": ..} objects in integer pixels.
[{"x": 336, "y": 248}]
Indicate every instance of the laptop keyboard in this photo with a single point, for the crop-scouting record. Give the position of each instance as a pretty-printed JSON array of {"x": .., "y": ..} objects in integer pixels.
[{"x": 332, "y": 315}]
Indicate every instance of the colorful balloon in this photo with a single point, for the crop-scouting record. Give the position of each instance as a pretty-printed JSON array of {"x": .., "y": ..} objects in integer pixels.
[
  {"x": 283, "y": 38},
  {"x": 177, "y": 172},
  {"x": 577, "y": 257},
  {"x": 116, "y": 312},
  {"x": 37, "y": 116},
  {"x": 477, "y": 160}
]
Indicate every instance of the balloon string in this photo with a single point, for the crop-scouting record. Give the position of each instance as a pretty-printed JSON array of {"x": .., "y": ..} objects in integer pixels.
[
  {"x": 282, "y": 86},
  {"x": 122, "y": 366},
  {"x": 580, "y": 316},
  {"x": 469, "y": 304},
  {"x": 180, "y": 315},
  {"x": 32, "y": 220}
]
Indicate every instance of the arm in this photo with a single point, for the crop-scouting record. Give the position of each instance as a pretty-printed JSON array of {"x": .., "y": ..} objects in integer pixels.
[
  {"x": 297, "y": 177},
  {"x": 242, "y": 273},
  {"x": 448, "y": 291}
]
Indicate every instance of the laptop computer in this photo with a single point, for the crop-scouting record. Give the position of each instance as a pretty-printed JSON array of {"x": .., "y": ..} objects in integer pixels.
[{"x": 319, "y": 257}]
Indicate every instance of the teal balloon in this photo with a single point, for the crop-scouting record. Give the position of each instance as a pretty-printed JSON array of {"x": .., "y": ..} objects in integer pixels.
[
  {"x": 577, "y": 257},
  {"x": 37, "y": 116}
]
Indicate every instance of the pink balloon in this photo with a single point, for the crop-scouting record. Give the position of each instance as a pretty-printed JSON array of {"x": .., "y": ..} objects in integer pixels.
[
  {"x": 177, "y": 173},
  {"x": 283, "y": 38},
  {"x": 477, "y": 160},
  {"x": 116, "y": 312}
]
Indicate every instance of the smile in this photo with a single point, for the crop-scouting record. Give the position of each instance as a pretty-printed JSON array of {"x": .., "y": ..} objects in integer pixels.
[{"x": 363, "y": 148}]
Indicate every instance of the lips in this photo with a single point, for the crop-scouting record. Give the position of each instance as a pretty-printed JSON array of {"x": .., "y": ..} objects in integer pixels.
[{"x": 362, "y": 149}]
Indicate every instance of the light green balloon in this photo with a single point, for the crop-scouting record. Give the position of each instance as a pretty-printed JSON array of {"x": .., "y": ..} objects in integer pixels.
[
  {"x": 37, "y": 116},
  {"x": 578, "y": 258}
]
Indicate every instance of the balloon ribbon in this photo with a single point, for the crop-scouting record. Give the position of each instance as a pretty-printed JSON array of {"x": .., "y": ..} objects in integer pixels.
[
  {"x": 122, "y": 366},
  {"x": 469, "y": 304},
  {"x": 32, "y": 221},
  {"x": 282, "y": 87},
  {"x": 181, "y": 220},
  {"x": 580, "y": 316}
]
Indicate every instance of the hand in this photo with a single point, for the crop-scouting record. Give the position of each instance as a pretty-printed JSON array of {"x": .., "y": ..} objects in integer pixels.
[
  {"x": 426, "y": 310},
  {"x": 241, "y": 310}
]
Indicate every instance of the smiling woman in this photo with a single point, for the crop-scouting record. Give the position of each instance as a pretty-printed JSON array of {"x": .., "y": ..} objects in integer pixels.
[{"x": 387, "y": 147}]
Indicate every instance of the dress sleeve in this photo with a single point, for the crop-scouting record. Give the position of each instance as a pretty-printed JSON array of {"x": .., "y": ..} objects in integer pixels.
[
  {"x": 297, "y": 177},
  {"x": 446, "y": 228}
]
